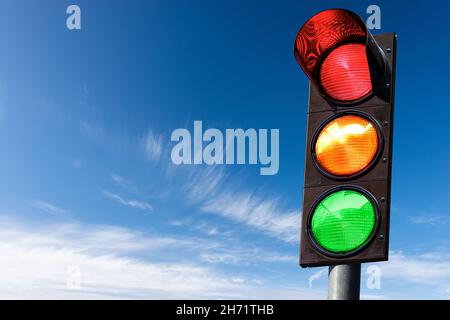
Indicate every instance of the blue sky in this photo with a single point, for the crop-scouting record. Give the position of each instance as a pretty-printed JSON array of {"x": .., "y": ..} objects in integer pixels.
[{"x": 86, "y": 179}]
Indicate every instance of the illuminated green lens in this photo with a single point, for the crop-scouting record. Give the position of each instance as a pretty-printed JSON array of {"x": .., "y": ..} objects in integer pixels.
[{"x": 343, "y": 221}]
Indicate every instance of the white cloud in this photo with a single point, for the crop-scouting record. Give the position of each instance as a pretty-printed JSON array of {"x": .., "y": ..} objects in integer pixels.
[
  {"x": 247, "y": 257},
  {"x": 428, "y": 219},
  {"x": 220, "y": 258},
  {"x": 97, "y": 238},
  {"x": 130, "y": 203},
  {"x": 212, "y": 231},
  {"x": 428, "y": 268},
  {"x": 124, "y": 183},
  {"x": 207, "y": 228},
  {"x": 48, "y": 207},
  {"x": 262, "y": 214},
  {"x": 33, "y": 272},
  {"x": 238, "y": 280},
  {"x": 38, "y": 263},
  {"x": 176, "y": 223},
  {"x": 152, "y": 145},
  {"x": 315, "y": 276}
]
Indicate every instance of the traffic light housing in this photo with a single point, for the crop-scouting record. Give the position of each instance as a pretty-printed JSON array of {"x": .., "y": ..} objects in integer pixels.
[{"x": 346, "y": 198}]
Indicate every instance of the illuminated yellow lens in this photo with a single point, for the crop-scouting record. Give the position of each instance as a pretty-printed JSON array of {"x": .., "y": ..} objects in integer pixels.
[{"x": 347, "y": 145}]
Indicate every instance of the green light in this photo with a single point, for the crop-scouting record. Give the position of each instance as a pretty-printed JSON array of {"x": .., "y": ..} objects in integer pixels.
[{"x": 343, "y": 221}]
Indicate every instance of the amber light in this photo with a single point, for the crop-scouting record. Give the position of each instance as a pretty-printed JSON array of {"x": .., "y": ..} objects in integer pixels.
[{"x": 347, "y": 145}]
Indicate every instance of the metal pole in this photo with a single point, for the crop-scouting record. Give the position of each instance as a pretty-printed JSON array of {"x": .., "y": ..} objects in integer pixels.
[{"x": 344, "y": 282}]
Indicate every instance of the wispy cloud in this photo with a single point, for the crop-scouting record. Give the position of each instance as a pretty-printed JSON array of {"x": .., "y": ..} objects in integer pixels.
[
  {"x": 204, "y": 183},
  {"x": 262, "y": 214},
  {"x": 177, "y": 223},
  {"x": 152, "y": 145},
  {"x": 123, "y": 182},
  {"x": 209, "y": 188},
  {"x": 429, "y": 219},
  {"x": 204, "y": 227},
  {"x": 315, "y": 276},
  {"x": 126, "y": 202},
  {"x": 48, "y": 207}
]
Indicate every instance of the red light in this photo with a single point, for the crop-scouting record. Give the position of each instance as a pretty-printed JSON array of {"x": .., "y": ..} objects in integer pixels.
[
  {"x": 345, "y": 73},
  {"x": 331, "y": 49}
]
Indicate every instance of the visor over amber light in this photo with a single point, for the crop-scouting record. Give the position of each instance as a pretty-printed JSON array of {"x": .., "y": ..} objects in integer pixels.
[
  {"x": 347, "y": 145},
  {"x": 338, "y": 54}
]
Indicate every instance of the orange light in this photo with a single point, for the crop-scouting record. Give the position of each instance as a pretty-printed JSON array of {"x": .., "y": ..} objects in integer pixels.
[{"x": 347, "y": 145}]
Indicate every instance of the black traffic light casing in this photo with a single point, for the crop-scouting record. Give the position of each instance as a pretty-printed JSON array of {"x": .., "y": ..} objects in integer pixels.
[{"x": 375, "y": 182}]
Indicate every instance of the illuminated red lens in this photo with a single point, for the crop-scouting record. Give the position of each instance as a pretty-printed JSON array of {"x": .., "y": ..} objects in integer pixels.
[{"x": 345, "y": 73}]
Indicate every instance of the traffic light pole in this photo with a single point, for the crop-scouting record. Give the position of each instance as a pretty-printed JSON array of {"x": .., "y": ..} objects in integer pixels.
[{"x": 344, "y": 282}]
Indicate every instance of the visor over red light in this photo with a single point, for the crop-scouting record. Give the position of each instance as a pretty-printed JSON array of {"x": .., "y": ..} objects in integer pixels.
[{"x": 331, "y": 49}]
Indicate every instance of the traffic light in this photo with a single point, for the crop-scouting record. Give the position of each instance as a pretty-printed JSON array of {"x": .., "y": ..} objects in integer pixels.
[{"x": 346, "y": 198}]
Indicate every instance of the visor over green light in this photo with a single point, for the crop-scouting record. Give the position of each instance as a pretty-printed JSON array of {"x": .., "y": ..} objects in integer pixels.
[{"x": 343, "y": 221}]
